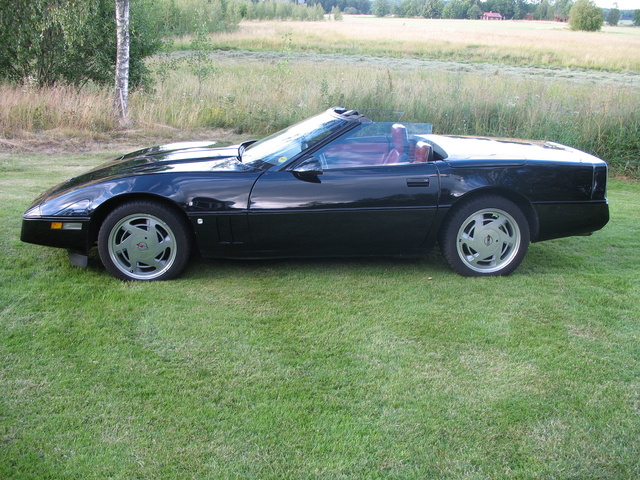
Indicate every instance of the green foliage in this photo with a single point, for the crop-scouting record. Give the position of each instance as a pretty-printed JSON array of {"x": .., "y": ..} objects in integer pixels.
[
  {"x": 586, "y": 16},
  {"x": 543, "y": 11},
  {"x": 549, "y": 9},
  {"x": 283, "y": 69},
  {"x": 636, "y": 18},
  {"x": 381, "y": 8},
  {"x": 407, "y": 8},
  {"x": 145, "y": 36},
  {"x": 433, "y": 8},
  {"x": 474, "y": 13},
  {"x": 199, "y": 61},
  {"x": 183, "y": 17},
  {"x": 613, "y": 18},
  {"x": 71, "y": 41},
  {"x": 419, "y": 8},
  {"x": 455, "y": 9},
  {"x": 347, "y": 6},
  {"x": 280, "y": 11},
  {"x": 562, "y": 7}
]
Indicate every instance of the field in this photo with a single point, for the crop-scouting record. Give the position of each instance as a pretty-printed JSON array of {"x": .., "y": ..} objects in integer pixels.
[
  {"x": 512, "y": 43},
  {"x": 318, "y": 369},
  {"x": 328, "y": 369}
]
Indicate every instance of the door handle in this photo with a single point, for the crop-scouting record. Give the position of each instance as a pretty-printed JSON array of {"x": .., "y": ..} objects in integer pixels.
[{"x": 418, "y": 182}]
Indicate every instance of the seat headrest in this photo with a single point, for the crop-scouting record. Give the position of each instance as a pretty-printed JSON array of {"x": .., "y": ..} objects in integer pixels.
[
  {"x": 399, "y": 136},
  {"x": 423, "y": 152}
]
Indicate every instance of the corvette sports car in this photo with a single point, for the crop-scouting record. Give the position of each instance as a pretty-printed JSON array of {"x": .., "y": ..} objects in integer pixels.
[{"x": 336, "y": 184}]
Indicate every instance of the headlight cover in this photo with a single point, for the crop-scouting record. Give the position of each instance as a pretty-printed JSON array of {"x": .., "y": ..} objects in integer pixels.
[
  {"x": 76, "y": 209},
  {"x": 33, "y": 212}
]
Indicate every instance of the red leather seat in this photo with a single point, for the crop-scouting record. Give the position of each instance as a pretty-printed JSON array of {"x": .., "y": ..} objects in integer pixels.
[
  {"x": 399, "y": 143},
  {"x": 423, "y": 152}
]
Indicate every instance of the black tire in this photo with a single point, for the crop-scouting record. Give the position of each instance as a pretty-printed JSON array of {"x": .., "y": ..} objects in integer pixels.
[
  {"x": 144, "y": 240},
  {"x": 486, "y": 236}
]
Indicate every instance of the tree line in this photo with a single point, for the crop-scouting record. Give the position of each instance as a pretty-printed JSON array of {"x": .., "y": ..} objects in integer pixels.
[
  {"x": 581, "y": 14},
  {"x": 473, "y": 9}
]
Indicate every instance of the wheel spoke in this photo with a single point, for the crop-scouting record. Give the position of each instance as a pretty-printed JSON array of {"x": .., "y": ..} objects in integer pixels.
[
  {"x": 159, "y": 250},
  {"x": 159, "y": 241},
  {"x": 473, "y": 241},
  {"x": 124, "y": 245}
]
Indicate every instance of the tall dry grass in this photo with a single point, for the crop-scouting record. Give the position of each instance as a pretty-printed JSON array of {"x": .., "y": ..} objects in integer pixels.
[
  {"x": 260, "y": 96},
  {"x": 67, "y": 110},
  {"x": 254, "y": 96}
]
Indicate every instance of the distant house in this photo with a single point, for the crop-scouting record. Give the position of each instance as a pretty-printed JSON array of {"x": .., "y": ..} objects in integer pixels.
[{"x": 491, "y": 16}]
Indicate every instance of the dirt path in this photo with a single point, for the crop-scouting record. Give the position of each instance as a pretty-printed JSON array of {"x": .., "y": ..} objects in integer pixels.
[{"x": 596, "y": 77}]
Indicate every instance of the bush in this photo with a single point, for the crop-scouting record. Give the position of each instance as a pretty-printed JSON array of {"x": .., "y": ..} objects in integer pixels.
[
  {"x": 586, "y": 16},
  {"x": 281, "y": 11},
  {"x": 72, "y": 42},
  {"x": 184, "y": 17}
]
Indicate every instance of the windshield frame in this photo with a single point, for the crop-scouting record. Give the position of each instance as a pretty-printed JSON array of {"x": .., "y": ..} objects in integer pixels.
[{"x": 280, "y": 148}]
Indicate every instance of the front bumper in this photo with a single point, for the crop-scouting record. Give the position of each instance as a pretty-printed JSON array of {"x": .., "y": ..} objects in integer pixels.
[{"x": 69, "y": 233}]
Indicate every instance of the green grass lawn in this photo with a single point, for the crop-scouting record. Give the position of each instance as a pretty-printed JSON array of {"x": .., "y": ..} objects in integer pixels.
[{"x": 356, "y": 369}]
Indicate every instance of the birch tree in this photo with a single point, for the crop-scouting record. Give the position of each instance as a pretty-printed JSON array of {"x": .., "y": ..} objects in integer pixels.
[{"x": 122, "y": 61}]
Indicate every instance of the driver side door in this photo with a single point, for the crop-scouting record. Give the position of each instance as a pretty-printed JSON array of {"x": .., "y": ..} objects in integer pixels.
[{"x": 348, "y": 209}]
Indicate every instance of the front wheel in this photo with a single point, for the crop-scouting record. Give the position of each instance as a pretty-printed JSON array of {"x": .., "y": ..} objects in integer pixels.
[
  {"x": 144, "y": 241},
  {"x": 488, "y": 236}
]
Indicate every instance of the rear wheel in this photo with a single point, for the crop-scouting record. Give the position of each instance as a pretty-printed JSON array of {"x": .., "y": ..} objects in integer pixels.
[
  {"x": 488, "y": 236},
  {"x": 144, "y": 241}
]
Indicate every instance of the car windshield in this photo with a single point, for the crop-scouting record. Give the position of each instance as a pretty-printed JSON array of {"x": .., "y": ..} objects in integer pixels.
[{"x": 286, "y": 144}]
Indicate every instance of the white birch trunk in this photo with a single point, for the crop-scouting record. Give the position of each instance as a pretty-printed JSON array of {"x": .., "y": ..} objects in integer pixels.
[{"x": 122, "y": 61}]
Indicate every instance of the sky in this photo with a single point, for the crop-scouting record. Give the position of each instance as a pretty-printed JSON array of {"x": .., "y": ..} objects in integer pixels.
[{"x": 622, "y": 4}]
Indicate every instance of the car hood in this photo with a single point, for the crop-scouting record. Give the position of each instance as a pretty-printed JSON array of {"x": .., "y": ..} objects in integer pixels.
[
  {"x": 174, "y": 157},
  {"x": 184, "y": 156},
  {"x": 467, "y": 151}
]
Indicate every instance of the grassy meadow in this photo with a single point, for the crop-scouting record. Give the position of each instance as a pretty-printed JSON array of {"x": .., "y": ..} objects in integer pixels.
[
  {"x": 325, "y": 369},
  {"x": 328, "y": 369}
]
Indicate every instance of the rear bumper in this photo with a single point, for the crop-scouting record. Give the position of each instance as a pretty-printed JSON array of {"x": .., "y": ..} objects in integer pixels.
[{"x": 570, "y": 219}]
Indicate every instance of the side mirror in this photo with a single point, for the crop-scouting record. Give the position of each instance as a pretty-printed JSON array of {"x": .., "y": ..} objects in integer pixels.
[{"x": 308, "y": 170}]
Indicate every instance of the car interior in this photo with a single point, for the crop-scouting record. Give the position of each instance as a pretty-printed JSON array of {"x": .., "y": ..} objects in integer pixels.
[{"x": 394, "y": 147}]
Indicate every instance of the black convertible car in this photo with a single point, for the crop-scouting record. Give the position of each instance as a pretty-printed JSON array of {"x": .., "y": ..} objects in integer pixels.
[{"x": 336, "y": 184}]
